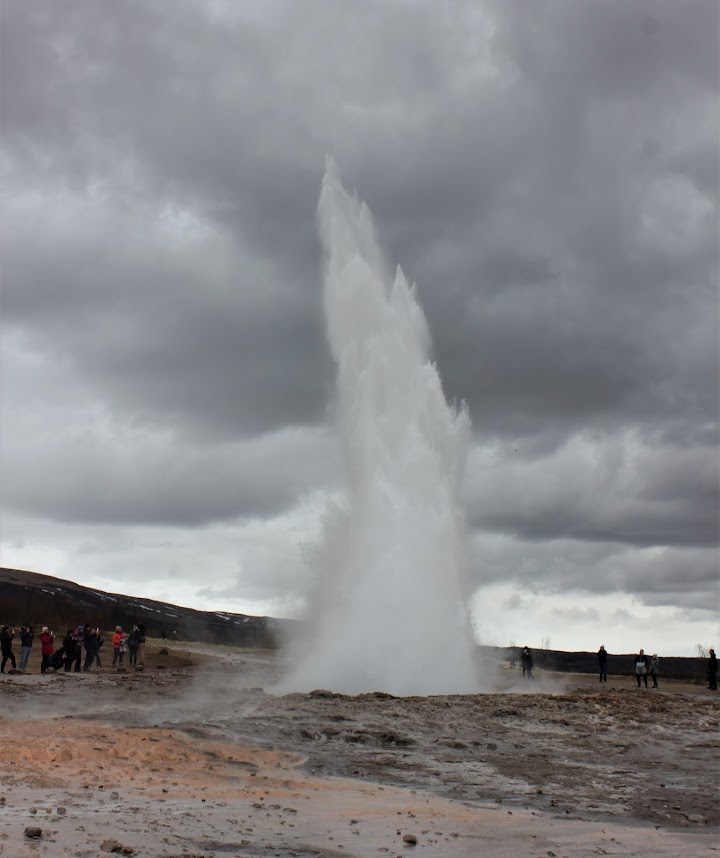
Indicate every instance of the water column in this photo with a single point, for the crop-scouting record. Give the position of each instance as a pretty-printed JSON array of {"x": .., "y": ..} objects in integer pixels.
[{"x": 389, "y": 611}]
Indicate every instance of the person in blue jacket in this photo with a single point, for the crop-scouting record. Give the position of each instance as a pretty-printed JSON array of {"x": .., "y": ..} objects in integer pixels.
[{"x": 26, "y": 641}]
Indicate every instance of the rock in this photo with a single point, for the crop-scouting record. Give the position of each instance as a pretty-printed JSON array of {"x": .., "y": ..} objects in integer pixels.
[
  {"x": 312, "y": 735},
  {"x": 163, "y": 651},
  {"x": 139, "y": 668},
  {"x": 389, "y": 738},
  {"x": 117, "y": 848},
  {"x": 16, "y": 670},
  {"x": 410, "y": 839},
  {"x": 62, "y": 811},
  {"x": 695, "y": 817},
  {"x": 33, "y": 833},
  {"x": 321, "y": 693}
]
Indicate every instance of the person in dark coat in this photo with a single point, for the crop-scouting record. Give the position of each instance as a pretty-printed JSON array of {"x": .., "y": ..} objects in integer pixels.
[
  {"x": 602, "y": 663},
  {"x": 26, "y": 642},
  {"x": 641, "y": 668},
  {"x": 141, "y": 646},
  {"x": 526, "y": 660},
  {"x": 57, "y": 659},
  {"x": 80, "y": 641},
  {"x": 6, "y": 638},
  {"x": 91, "y": 646},
  {"x": 100, "y": 641},
  {"x": 712, "y": 671},
  {"x": 71, "y": 649},
  {"x": 133, "y": 643}
]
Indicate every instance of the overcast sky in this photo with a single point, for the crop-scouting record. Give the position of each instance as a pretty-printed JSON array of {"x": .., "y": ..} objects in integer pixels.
[{"x": 546, "y": 173}]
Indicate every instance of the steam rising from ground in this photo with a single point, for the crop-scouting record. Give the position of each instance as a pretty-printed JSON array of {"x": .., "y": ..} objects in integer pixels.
[{"x": 389, "y": 611}]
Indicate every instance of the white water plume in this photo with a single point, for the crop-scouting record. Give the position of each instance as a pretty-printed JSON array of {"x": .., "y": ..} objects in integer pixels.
[{"x": 390, "y": 608}]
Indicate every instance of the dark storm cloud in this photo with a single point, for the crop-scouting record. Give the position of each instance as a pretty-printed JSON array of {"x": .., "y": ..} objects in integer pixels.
[
  {"x": 133, "y": 479},
  {"x": 548, "y": 176},
  {"x": 522, "y": 200}
]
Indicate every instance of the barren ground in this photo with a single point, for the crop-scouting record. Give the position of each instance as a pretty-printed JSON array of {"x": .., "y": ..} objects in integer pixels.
[{"x": 192, "y": 758}]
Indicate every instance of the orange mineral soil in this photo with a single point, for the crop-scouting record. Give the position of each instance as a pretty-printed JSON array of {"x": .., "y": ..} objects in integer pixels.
[{"x": 152, "y": 765}]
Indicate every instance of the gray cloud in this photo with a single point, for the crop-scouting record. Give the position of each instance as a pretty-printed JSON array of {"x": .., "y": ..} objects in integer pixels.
[{"x": 549, "y": 177}]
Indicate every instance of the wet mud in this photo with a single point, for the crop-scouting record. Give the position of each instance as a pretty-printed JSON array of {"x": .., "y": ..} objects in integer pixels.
[{"x": 196, "y": 756}]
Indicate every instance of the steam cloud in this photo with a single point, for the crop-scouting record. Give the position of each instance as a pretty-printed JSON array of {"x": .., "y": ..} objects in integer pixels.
[{"x": 389, "y": 610}]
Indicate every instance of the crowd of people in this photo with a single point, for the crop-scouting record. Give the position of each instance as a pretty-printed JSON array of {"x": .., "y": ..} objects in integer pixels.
[
  {"x": 80, "y": 650},
  {"x": 644, "y": 667},
  {"x": 648, "y": 666}
]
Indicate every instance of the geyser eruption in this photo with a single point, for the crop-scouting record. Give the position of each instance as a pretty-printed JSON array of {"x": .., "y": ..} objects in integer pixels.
[{"x": 389, "y": 612}]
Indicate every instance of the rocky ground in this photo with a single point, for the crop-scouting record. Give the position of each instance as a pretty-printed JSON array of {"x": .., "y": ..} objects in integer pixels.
[{"x": 195, "y": 756}]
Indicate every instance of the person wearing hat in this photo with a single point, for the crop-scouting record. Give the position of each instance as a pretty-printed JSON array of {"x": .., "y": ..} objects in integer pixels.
[
  {"x": 118, "y": 642},
  {"x": 46, "y": 648}
]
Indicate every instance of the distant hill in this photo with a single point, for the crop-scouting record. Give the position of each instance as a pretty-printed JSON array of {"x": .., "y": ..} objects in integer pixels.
[
  {"x": 29, "y": 597},
  {"x": 42, "y": 600}
]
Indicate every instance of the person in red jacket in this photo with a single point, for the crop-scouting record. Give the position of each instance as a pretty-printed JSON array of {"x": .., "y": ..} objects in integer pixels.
[
  {"x": 119, "y": 645},
  {"x": 46, "y": 648}
]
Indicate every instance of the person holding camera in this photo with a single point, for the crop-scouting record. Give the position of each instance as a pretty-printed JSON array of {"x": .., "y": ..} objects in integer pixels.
[
  {"x": 70, "y": 650},
  {"x": 26, "y": 642},
  {"x": 90, "y": 638},
  {"x": 46, "y": 648}
]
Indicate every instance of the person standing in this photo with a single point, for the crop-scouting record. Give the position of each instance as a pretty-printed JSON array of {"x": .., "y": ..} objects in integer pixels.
[
  {"x": 641, "y": 666},
  {"x": 80, "y": 641},
  {"x": 26, "y": 642},
  {"x": 100, "y": 641},
  {"x": 602, "y": 663},
  {"x": 141, "y": 646},
  {"x": 90, "y": 647},
  {"x": 133, "y": 643},
  {"x": 527, "y": 662},
  {"x": 70, "y": 650},
  {"x": 119, "y": 646},
  {"x": 46, "y": 648},
  {"x": 654, "y": 669},
  {"x": 6, "y": 638},
  {"x": 712, "y": 670}
]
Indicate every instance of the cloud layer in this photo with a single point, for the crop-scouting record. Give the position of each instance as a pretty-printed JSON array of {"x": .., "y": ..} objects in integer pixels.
[{"x": 548, "y": 177}]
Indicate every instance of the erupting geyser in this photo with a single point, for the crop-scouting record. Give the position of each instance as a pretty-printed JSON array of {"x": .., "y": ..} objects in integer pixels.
[{"x": 389, "y": 612}]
